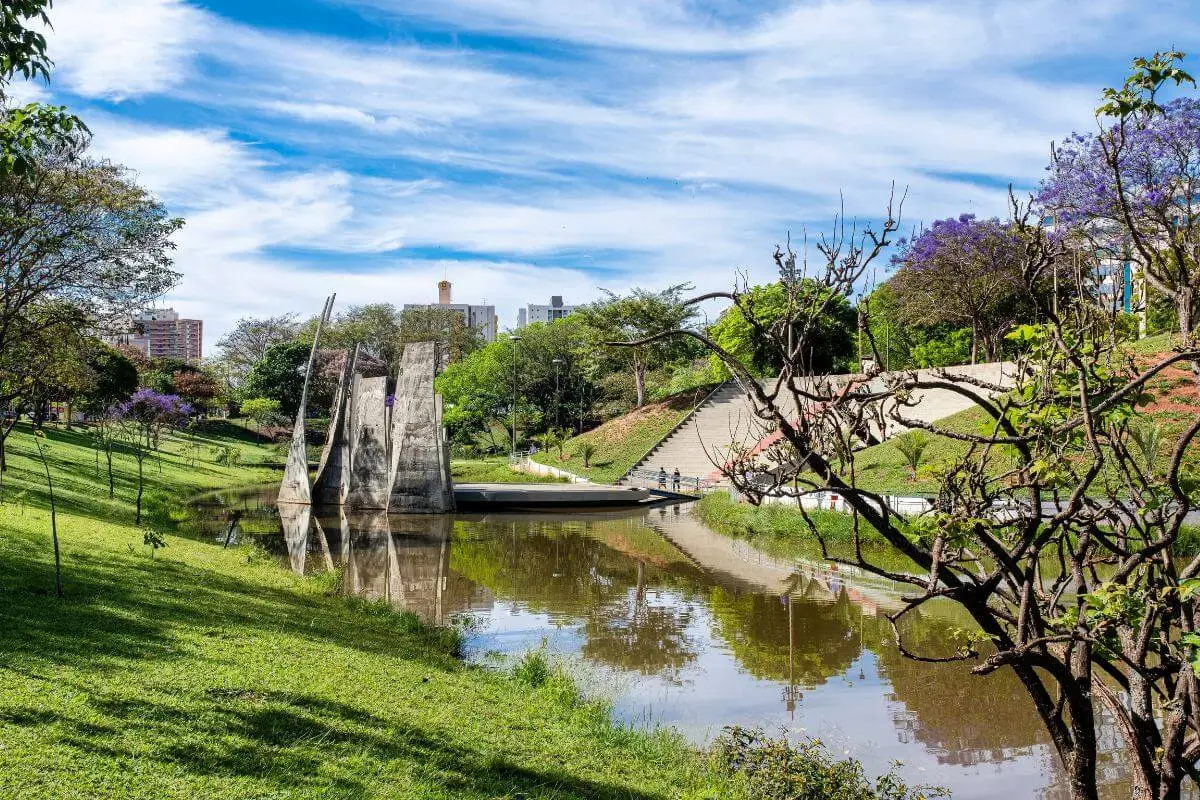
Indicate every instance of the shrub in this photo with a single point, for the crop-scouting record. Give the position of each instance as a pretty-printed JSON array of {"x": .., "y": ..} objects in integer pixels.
[
  {"x": 533, "y": 669},
  {"x": 775, "y": 769}
]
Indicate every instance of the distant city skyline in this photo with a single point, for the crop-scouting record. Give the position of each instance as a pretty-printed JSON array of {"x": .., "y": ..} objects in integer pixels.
[{"x": 373, "y": 147}]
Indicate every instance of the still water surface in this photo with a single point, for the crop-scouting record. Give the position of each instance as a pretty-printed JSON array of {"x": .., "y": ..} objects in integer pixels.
[{"x": 685, "y": 627}]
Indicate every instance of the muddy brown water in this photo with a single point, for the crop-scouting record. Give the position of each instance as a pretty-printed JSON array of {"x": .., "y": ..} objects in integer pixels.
[{"x": 681, "y": 626}]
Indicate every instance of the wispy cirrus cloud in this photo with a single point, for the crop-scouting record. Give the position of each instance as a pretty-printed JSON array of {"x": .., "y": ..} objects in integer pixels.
[{"x": 618, "y": 142}]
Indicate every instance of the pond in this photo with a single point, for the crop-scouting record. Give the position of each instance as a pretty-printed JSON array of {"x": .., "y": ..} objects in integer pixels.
[{"x": 684, "y": 627}]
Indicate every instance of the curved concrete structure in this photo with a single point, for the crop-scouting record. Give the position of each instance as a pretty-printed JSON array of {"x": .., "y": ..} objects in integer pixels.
[{"x": 535, "y": 496}]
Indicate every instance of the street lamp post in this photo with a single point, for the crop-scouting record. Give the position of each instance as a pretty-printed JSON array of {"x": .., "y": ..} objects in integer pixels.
[
  {"x": 516, "y": 340},
  {"x": 557, "y": 393}
]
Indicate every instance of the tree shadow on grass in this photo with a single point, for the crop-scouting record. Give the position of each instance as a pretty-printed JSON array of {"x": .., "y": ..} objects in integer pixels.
[
  {"x": 125, "y": 608},
  {"x": 307, "y": 744}
]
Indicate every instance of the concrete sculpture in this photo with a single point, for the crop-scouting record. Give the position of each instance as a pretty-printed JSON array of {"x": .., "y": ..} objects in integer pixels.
[{"x": 385, "y": 452}]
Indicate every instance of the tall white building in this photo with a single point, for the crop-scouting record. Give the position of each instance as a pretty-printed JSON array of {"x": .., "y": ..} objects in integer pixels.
[
  {"x": 481, "y": 317},
  {"x": 535, "y": 313}
]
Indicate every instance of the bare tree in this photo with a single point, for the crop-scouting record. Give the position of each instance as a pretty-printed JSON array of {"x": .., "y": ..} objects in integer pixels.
[
  {"x": 248, "y": 341},
  {"x": 1049, "y": 531}
]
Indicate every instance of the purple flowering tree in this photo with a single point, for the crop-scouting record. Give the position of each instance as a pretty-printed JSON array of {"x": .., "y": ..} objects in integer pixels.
[
  {"x": 1131, "y": 191},
  {"x": 966, "y": 272},
  {"x": 142, "y": 419}
]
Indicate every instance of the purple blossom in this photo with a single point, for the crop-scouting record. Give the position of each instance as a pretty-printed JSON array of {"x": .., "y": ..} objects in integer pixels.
[
  {"x": 988, "y": 245},
  {"x": 1160, "y": 173},
  {"x": 148, "y": 407}
]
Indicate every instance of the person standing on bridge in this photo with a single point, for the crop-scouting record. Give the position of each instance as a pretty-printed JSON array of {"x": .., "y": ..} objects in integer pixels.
[
  {"x": 675, "y": 480},
  {"x": 662, "y": 477}
]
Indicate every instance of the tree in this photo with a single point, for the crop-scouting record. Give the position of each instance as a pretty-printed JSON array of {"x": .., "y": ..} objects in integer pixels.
[
  {"x": 546, "y": 371},
  {"x": 85, "y": 246},
  {"x": 374, "y": 327},
  {"x": 27, "y": 131},
  {"x": 279, "y": 375},
  {"x": 832, "y": 340},
  {"x": 1051, "y": 480},
  {"x": 1131, "y": 191},
  {"x": 116, "y": 378},
  {"x": 247, "y": 343},
  {"x": 142, "y": 419},
  {"x": 195, "y": 386},
  {"x": 904, "y": 344},
  {"x": 455, "y": 339},
  {"x": 260, "y": 410},
  {"x": 964, "y": 272},
  {"x": 639, "y": 316}
]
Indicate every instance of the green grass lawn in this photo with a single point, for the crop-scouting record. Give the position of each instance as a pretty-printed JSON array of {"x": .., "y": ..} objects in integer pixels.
[
  {"x": 622, "y": 442},
  {"x": 494, "y": 470},
  {"x": 201, "y": 672}
]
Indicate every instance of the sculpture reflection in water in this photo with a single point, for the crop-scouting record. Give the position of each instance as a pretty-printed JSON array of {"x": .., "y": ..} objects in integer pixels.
[{"x": 397, "y": 559}]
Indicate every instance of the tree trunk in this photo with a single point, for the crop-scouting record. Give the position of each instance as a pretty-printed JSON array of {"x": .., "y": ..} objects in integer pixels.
[
  {"x": 108, "y": 457},
  {"x": 974, "y": 342},
  {"x": 137, "y": 517},
  {"x": 1183, "y": 307},
  {"x": 639, "y": 378}
]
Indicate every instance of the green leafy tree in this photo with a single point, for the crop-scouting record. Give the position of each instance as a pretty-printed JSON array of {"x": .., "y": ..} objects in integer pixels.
[
  {"x": 261, "y": 410},
  {"x": 30, "y": 130},
  {"x": 279, "y": 376},
  {"x": 116, "y": 379},
  {"x": 548, "y": 372},
  {"x": 640, "y": 316},
  {"x": 833, "y": 338}
]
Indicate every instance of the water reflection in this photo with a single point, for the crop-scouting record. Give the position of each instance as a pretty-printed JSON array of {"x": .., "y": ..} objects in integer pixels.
[{"x": 700, "y": 630}]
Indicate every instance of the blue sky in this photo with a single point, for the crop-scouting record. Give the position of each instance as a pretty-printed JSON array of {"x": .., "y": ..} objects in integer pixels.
[{"x": 524, "y": 148}]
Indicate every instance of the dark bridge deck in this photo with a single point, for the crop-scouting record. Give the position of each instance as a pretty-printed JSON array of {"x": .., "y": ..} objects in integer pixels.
[{"x": 547, "y": 495}]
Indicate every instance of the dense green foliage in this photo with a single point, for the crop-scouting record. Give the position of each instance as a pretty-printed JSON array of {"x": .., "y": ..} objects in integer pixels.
[
  {"x": 279, "y": 375},
  {"x": 833, "y": 340}
]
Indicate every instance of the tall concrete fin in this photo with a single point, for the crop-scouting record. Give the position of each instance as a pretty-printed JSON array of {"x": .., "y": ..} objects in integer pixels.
[
  {"x": 334, "y": 468},
  {"x": 418, "y": 475},
  {"x": 368, "y": 485},
  {"x": 296, "y": 487}
]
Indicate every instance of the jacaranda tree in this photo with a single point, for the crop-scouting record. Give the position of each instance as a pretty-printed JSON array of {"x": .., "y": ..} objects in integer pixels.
[
  {"x": 1131, "y": 191},
  {"x": 142, "y": 420},
  {"x": 966, "y": 272}
]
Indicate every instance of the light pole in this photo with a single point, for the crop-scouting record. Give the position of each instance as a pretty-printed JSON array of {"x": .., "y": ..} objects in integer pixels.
[
  {"x": 516, "y": 340},
  {"x": 557, "y": 394}
]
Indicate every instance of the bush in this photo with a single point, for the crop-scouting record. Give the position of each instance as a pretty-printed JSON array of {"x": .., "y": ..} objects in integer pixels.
[
  {"x": 533, "y": 669},
  {"x": 775, "y": 769}
]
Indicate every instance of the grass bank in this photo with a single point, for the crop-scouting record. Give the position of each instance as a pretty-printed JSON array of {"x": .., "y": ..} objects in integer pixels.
[
  {"x": 781, "y": 531},
  {"x": 197, "y": 671},
  {"x": 494, "y": 470},
  {"x": 620, "y": 443}
]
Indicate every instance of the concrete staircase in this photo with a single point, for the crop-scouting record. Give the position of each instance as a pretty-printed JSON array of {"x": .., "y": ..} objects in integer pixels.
[
  {"x": 726, "y": 419},
  {"x": 723, "y": 418}
]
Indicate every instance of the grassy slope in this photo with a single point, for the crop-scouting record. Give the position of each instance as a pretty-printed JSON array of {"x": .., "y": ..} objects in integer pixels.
[
  {"x": 621, "y": 442},
  {"x": 493, "y": 470},
  {"x": 204, "y": 672}
]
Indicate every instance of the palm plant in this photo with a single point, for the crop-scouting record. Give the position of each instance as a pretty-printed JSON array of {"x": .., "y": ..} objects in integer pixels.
[
  {"x": 1147, "y": 437},
  {"x": 911, "y": 445}
]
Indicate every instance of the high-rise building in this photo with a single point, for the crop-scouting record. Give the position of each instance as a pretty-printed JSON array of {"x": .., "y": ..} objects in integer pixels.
[
  {"x": 535, "y": 313},
  {"x": 162, "y": 334},
  {"x": 481, "y": 317}
]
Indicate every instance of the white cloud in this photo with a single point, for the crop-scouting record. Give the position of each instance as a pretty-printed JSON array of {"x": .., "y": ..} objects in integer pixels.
[
  {"x": 123, "y": 48},
  {"x": 655, "y": 141}
]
